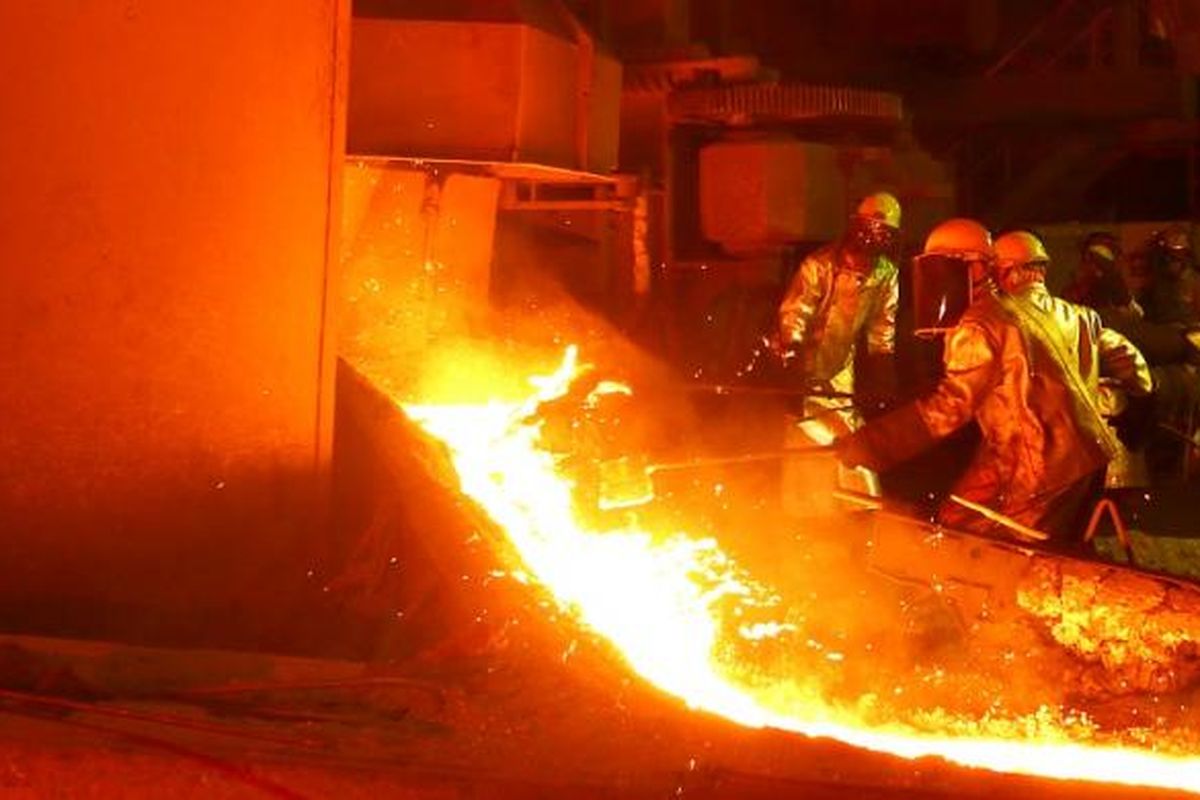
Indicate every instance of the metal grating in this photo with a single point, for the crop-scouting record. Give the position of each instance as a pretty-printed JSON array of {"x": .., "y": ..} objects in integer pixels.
[{"x": 766, "y": 102}]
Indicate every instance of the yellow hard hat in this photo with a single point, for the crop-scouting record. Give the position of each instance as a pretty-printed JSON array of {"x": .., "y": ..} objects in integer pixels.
[
  {"x": 959, "y": 237},
  {"x": 1019, "y": 248},
  {"x": 1101, "y": 251},
  {"x": 881, "y": 206}
]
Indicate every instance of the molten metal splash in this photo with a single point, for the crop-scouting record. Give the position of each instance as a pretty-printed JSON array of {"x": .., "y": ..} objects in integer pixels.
[{"x": 667, "y": 601}]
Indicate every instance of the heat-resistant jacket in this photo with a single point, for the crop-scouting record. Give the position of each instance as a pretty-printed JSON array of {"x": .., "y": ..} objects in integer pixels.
[
  {"x": 827, "y": 310},
  {"x": 1026, "y": 367}
]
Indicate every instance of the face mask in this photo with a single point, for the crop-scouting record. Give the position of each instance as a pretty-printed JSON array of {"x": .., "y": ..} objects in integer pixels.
[
  {"x": 874, "y": 237},
  {"x": 944, "y": 286}
]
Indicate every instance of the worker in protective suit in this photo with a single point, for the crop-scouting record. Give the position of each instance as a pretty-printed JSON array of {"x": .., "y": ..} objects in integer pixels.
[
  {"x": 1098, "y": 281},
  {"x": 1173, "y": 294},
  {"x": 842, "y": 294},
  {"x": 1025, "y": 366},
  {"x": 1172, "y": 350},
  {"x": 845, "y": 292}
]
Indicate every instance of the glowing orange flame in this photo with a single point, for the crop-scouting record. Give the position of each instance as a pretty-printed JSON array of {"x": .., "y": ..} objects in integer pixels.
[{"x": 660, "y": 599}]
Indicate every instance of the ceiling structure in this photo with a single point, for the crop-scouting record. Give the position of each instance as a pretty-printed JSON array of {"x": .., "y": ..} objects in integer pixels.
[{"x": 1049, "y": 110}]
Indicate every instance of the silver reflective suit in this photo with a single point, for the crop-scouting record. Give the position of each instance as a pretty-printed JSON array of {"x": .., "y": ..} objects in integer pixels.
[
  {"x": 1026, "y": 367},
  {"x": 828, "y": 308},
  {"x": 831, "y": 305}
]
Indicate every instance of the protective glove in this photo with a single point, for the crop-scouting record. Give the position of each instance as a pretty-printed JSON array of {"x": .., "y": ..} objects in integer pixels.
[
  {"x": 885, "y": 441},
  {"x": 854, "y": 450}
]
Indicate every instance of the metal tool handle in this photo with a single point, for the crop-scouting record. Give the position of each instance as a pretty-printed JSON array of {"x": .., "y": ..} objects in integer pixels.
[
  {"x": 1022, "y": 531},
  {"x": 745, "y": 458},
  {"x": 723, "y": 389},
  {"x": 863, "y": 501}
]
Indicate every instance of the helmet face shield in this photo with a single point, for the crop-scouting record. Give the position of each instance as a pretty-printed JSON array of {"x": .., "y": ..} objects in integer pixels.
[{"x": 944, "y": 285}]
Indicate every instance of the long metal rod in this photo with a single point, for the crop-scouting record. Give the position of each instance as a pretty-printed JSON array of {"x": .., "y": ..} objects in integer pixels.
[
  {"x": 745, "y": 458},
  {"x": 724, "y": 389},
  {"x": 864, "y": 501},
  {"x": 995, "y": 516}
]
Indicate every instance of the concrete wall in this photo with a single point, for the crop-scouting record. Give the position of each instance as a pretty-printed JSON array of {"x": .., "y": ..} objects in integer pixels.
[{"x": 167, "y": 233}]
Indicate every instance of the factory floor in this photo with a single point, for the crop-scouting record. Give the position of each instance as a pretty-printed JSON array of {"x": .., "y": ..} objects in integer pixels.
[{"x": 112, "y": 721}]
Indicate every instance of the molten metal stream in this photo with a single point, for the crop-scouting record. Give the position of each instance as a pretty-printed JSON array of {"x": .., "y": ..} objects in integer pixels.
[{"x": 661, "y": 599}]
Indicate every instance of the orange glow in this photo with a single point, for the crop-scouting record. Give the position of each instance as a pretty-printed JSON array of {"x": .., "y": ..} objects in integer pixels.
[{"x": 676, "y": 606}]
